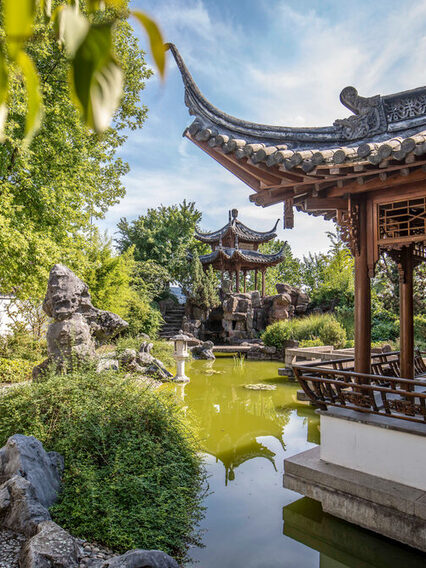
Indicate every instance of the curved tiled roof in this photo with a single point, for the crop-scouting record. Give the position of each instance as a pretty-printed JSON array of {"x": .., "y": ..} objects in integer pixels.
[
  {"x": 249, "y": 256},
  {"x": 244, "y": 233},
  {"x": 381, "y": 128}
]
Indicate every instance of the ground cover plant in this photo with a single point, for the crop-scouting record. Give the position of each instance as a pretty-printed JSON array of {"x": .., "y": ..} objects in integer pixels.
[
  {"x": 317, "y": 329},
  {"x": 132, "y": 474}
]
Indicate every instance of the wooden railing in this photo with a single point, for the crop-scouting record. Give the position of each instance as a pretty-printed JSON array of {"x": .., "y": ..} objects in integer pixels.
[{"x": 383, "y": 392}]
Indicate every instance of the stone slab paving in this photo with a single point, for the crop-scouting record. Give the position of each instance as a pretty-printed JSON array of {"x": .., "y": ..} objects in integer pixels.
[{"x": 10, "y": 547}]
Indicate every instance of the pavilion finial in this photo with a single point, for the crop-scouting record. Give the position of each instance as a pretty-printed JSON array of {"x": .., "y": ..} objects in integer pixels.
[{"x": 234, "y": 214}]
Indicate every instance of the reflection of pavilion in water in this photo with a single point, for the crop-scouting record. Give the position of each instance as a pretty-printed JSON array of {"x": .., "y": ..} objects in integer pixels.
[
  {"x": 234, "y": 420},
  {"x": 341, "y": 544}
]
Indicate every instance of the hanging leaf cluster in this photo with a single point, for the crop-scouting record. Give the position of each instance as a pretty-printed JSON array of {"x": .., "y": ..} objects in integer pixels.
[{"x": 95, "y": 76}]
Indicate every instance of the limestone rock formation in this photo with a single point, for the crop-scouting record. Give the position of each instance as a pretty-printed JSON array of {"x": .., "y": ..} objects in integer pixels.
[
  {"x": 78, "y": 326},
  {"x": 31, "y": 481},
  {"x": 203, "y": 351},
  {"x": 25, "y": 456},
  {"x": 20, "y": 510},
  {"x": 139, "y": 559},
  {"x": 143, "y": 362},
  {"x": 50, "y": 546},
  {"x": 243, "y": 316}
]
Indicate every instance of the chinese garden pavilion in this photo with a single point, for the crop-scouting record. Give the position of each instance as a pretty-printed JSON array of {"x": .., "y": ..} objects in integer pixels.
[
  {"x": 366, "y": 172},
  {"x": 235, "y": 250}
]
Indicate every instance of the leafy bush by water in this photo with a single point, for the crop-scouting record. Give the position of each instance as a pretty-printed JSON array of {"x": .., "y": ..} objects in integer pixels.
[
  {"x": 132, "y": 474},
  {"x": 322, "y": 327}
]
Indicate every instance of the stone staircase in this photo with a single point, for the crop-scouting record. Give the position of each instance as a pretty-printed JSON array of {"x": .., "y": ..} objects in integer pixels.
[{"x": 173, "y": 321}]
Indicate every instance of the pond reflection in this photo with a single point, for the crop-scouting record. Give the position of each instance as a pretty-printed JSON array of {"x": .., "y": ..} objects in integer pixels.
[
  {"x": 342, "y": 544},
  {"x": 245, "y": 435}
]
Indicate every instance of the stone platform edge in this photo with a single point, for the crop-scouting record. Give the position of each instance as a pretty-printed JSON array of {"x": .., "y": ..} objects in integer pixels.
[{"x": 386, "y": 507}]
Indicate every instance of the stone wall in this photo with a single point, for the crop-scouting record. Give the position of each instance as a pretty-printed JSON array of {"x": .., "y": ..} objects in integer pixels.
[{"x": 243, "y": 316}]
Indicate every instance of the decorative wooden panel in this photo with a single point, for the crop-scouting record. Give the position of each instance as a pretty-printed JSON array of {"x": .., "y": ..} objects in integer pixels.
[{"x": 400, "y": 221}]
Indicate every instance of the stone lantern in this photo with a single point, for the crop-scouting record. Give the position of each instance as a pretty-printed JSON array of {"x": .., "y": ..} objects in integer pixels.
[{"x": 180, "y": 355}]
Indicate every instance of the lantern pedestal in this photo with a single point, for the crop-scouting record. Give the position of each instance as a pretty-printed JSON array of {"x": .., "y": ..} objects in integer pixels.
[{"x": 180, "y": 355}]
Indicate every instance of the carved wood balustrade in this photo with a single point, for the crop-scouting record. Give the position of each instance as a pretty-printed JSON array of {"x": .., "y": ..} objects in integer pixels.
[{"x": 335, "y": 383}]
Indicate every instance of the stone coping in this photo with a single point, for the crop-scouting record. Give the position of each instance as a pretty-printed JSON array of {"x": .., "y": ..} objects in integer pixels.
[
  {"x": 386, "y": 422},
  {"x": 309, "y": 467}
]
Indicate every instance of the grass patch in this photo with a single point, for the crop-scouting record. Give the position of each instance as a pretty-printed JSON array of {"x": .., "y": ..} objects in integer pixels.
[{"x": 132, "y": 474}]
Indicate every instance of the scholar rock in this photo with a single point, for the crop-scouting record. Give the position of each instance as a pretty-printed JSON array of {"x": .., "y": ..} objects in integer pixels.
[{"x": 78, "y": 326}]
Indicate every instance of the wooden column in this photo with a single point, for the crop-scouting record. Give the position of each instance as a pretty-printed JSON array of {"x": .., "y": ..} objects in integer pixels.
[
  {"x": 263, "y": 283},
  {"x": 255, "y": 279},
  {"x": 361, "y": 234},
  {"x": 245, "y": 280},
  {"x": 406, "y": 312},
  {"x": 237, "y": 280}
]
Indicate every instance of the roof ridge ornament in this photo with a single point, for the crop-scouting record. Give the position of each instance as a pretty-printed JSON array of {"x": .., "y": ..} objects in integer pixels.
[{"x": 369, "y": 118}]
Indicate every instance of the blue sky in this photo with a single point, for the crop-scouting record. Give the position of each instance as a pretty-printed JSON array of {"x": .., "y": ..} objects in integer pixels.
[{"x": 278, "y": 62}]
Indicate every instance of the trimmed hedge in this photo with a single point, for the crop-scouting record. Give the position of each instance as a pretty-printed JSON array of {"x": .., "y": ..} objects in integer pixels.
[
  {"x": 322, "y": 329},
  {"x": 15, "y": 370},
  {"x": 132, "y": 473}
]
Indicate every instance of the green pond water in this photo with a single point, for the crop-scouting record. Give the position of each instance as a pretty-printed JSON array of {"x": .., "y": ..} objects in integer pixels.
[{"x": 251, "y": 521}]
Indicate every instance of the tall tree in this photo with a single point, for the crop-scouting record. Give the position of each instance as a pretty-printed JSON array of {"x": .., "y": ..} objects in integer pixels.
[
  {"x": 288, "y": 271},
  {"x": 54, "y": 189},
  {"x": 164, "y": 235}
]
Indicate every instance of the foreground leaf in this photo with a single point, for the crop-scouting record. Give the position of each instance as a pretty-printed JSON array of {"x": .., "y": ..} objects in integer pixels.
[
  {"x": 71, "y": 28},
  {"x": 34, "y": 100},
  {"x": 96, "y": 78},
  {"x": 155, "y": 40},
  {"x": 18, "y": 23}
]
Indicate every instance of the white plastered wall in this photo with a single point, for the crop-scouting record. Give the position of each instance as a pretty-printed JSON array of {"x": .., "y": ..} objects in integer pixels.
[{"x": 383, "y": 452}]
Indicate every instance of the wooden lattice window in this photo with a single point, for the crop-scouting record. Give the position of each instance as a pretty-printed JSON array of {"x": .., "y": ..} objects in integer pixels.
[{"x": 402, "y": 220}]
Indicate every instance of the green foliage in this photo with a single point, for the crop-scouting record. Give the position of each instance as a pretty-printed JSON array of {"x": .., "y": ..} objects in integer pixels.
[
  {"x": 86, "y": 38},
  {"x": 331, "y": 276},
  {"x": 23, "y": 344},
  {"x": 142, "y": 316},
  {"x": 132, "y": 475},
  {"x": 288, "y": 271},
  {"x": 115, "y": 285},
  {"x": 322, "y": 327},
  {"x": 15, "y": 371},
  {"x": 53, "y": 188},
  {"x": 420, "y": 330},
  {"x": 384, "y": 325},
  {"x": 202, "y": 289},
  {"x": 152, "y": 277},
  {"x": 163, "y": 235}
]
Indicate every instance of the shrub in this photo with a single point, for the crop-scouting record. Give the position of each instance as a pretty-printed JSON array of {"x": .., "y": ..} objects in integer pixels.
[
  {"x": 132, "y": 475},
  {"x": 23, "y": 345},
  {"x": 142, "y": 316},
  {"x": 15, "y": 370},
  {"x": 420, "y": 330},
  {"x": 384, "y": 325},
  {"x": 323, "y": 327}
]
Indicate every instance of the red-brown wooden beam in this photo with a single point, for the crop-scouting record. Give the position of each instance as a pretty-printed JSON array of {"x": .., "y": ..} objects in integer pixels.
[
  {"x": 362, "y": 293},
  {"x": 406, "y": 312}
]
